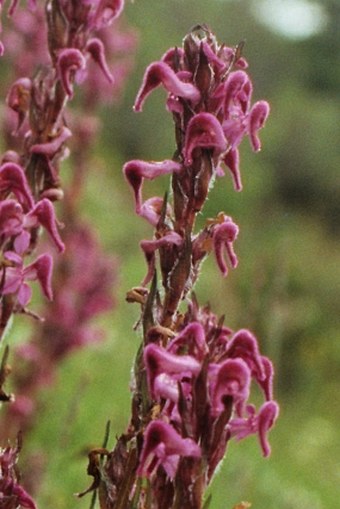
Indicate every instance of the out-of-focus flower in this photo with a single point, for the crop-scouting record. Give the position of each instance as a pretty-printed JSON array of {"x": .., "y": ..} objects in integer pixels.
[
  {"x": 12, "y": 494},
  {"x": 16, "y": 276}
]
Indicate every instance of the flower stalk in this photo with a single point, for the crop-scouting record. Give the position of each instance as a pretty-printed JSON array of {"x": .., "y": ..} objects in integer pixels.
[{"x": 192, "y": 374}]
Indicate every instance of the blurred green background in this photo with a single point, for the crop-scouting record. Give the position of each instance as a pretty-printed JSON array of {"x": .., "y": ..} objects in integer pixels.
[{"x": 286, "y": 288}]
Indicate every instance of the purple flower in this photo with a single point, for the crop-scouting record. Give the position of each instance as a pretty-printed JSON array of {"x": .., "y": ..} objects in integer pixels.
[
  {"x": 225, "y": 233},
  {"x": 190, "y": 340},
  {"x": 150, "y": 246},
  {"x": 18, "y": 98},
  {"x": 13, "y": 179},
  {"x": 135, "y": 171},
  {"x": 12, "y": 494},
  {"x": 163, "y": 446},
  {"x": 11, "y": 219},
  {"x": 43, "y": 214},
  {"x": 151, "y": 210},
  {"x": 16, "y": 276},
  {"x": 70, "y": 60},
  {"x": 105, "y": 11},
  {"x": 160, "y": 73},
  {"x": 232, "y": 160},
  {"x": 50, "y": 148},
  {"x": 231, "y": 378},
  {"x": 261, "y": 423},
  {"x": 158, "y": 361},
  {"x": 244, "y": 345},
  {"x": 257, "y": 118},
  {"x": 204, "y": 131},
  {"x": 97, "y": 51}
]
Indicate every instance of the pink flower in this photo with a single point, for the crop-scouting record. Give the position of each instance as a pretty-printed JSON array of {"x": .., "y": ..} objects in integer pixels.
[
  {"x": 70, "y": 60},
  {"x": 158, "y": 361},
  {"x": 13, "y": 179},
  {"x": 225, "y": 233},
  {"x": 160, "y": 73},
  {"x": 12, "y": 494},
  {"x": 261, "y": 423},
  {"x": 136, "y": 171},
  {"x": 11, "y": 219},
  {"x": 244, "y": 345},
  {"x": 150, "y": 246},
  {"x": 105, "y": 11},
  {"x": 17, "y": 275},
  {"x": 50, "y": 148},
  {"x": 43, "y": 214},
  {"x": 192, "y": 340},
  {"x": 231, "y": 378},
  {"x": 204, "y": 131},
  {"x": 163, "y": 446},
  {"x": 257, "y": 118},
  {"x": 97, "y": 51}
]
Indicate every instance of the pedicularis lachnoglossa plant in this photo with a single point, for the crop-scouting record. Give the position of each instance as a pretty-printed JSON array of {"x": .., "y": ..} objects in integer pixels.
[
  {"x": 51, "y": 47},
  {"x": 192, "y": 376}
]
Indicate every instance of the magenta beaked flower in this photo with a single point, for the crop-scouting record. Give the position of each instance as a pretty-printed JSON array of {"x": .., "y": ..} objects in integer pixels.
[
  {"x": 50, "y": 148},
  {"x": 261, "y": 423},
  {"x": 150, "y": 246},
  {"x": 233, "y": 379},
  {"x": 224, "y": 235},
  {"x": 43, "y": 214},
  {"x": 104, "y": 12},
  {"x": 11, "y": 219},
  {"x": 204, "y": 131},
  {"x": 266, "y": 383},
  {"x": 244, "y": 345},
  {"x": 232, "y": 160},
  {"x": 136, "y": 171},
  {"x": 13, "y": 179},
  {"x": 70, "y": 60},
  {"x": 151, "y": 210},
  {"x": 18, "y": 98},
  {"x": 163, "y": 446},
  {"x": 12, "y": 494},
  {"x": 257, "y": 118},
  {"x": 16, "y": 276},
  {"x": 95, "y": 48},
  {"x": 192, "y": 340},
  {"x": 158, "y": 360},
  {"x": 159, "y": 73}
]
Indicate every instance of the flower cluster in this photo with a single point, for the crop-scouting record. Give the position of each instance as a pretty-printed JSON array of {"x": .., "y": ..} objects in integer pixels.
[
  {"x": 29, "y": 175},
  {"x": 200, "y": 380},
  {"x": 20, "y": 218},
  {"x": 192, "y": 375},
  {"x": 12, "y": 494},
  {"x": 52, "y": 47},
  {"x": 209, "y": 96},
  {"x": 83, "y": 283}
]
